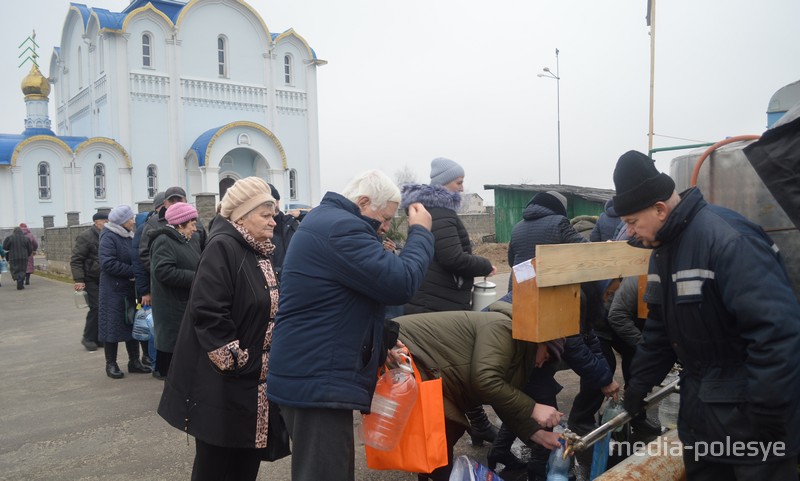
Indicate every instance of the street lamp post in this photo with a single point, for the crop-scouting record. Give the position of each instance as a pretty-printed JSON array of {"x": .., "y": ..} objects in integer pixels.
[{"x": 548, "y": 74}]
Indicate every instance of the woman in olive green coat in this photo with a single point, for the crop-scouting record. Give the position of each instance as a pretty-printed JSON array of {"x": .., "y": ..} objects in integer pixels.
[{"x": 479, "y": 363}]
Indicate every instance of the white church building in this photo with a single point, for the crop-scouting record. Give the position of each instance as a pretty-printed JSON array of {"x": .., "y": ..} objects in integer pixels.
[{"x": 195, "y": 94}]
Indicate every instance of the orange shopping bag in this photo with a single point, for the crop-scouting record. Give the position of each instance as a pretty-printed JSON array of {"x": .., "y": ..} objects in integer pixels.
[{"x": 423, "y": 445}]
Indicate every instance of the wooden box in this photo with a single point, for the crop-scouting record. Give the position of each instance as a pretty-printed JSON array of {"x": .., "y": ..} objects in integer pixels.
[
  {"x": 547, "y": 300},
  {"x": 544, "y": 313}
]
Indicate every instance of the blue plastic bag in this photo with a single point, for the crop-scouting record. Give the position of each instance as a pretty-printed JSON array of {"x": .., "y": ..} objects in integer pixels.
[
  {"x": 143, "y": 324},
  {"x": 3, "y": 266}
]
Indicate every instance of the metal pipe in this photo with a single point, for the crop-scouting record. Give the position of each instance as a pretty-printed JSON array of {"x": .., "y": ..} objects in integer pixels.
[{"x": 579, "y": 443}]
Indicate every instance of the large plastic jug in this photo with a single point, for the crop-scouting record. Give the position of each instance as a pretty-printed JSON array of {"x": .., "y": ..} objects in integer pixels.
[
  {"x": 395, "y": 396},
  {"x": 557, "y": 464}
]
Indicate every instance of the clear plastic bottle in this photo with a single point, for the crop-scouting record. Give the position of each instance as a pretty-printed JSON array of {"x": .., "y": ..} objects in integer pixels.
[
  {"x": 557, "y": 465},
  {"x": 395, "y": 396},
  {"x": 669, "y": 406},
  {"x": 81, "y": 299}
]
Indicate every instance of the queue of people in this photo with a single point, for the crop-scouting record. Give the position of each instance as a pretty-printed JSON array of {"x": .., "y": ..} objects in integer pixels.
[{"x": 241, "y": 331}]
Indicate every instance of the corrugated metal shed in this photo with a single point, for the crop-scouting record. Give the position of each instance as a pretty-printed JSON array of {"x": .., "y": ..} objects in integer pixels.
[{"x": 510, "y": 200}]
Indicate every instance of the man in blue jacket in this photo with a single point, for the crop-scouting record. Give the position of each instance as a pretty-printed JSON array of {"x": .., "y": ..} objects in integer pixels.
[
  {"x": 328, "y": 341},
  {"x": 719, "y": 301}
]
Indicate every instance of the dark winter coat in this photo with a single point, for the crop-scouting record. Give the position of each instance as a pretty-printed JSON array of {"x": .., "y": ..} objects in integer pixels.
[
  {"x": 285, "y": 227},
  {"x": 606, "y": 226},
  {"x": 117, "y": 293},
  {"x": 448, "y": 282},
  {"x": 478, "y": 360},
  {"x": 141, "y": 274},
  {"x": 85, "y": 260},
  {"x": 29, "y": 268},
  {"x": 336, "y": 280},
  {"x": 230, "y": 301},
  {"x": 156, "y": 221},
  {"x": 18, "y": 249},
  {"x": 539, "y": 225},
  {"x": 174, "y": 263},
  {"x": 720, "y": 301}
]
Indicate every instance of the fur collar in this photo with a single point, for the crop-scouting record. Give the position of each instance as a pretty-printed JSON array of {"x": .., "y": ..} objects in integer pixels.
[
  {"x": 430, "y": 196},
  {"x": 118, "y": 229}
]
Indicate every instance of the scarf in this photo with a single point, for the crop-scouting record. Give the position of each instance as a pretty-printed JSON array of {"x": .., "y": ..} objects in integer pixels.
[{"x": 119, "y": 230}]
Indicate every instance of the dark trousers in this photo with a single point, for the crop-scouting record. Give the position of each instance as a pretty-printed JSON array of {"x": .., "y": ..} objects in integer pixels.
[
  {"x": 582, "y": 416},
  {"x": 92, "y": 298},
  {"x": 705, "y": 470},
  {"x": 110, "y": 349},
  {"x": 322, "y": 443},
  {"x": 215, "y": 463}
]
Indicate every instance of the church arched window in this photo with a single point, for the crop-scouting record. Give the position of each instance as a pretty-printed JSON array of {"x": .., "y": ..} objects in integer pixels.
[
  {"x": 80, "y": 69},
  {"x": 293, "y": 184},
  {"x": 222, "y": 65},
  {"x": 99, "y": 181},
  {"x": 287, "y": 69},
  {"x": 152, "y": 181},
  {"x": 43, "y": 170},
  {"x": 147, "y": 50}
]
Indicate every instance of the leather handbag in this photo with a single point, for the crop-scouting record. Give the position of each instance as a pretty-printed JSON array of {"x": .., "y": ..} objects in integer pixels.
[
  {"x": 423, "y": 445},
  {"x": 277, "y": 435}
]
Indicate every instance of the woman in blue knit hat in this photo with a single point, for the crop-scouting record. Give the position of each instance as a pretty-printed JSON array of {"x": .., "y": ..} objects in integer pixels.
[
  {"x": 117, "y": 292},
  {"x": 448, "y": 282}
]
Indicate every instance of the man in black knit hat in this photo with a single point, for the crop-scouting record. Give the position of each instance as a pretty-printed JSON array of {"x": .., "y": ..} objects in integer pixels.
[{"x": 720, "y": 302}]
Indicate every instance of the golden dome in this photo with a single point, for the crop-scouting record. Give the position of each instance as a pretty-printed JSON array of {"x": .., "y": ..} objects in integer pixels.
[{"x": 35, "y": 83}]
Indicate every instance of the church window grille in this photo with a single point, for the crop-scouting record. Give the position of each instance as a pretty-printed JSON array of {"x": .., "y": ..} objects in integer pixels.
[
  {"x": 147, "y": 52},
  {"x": 99, "y": 181},
  {"x": 221, "y": 56},
  {"x": 152, "y": 181},
  {"x": 44, "y": 180},
  {"x": 287, "y": 69},
  {"x": 293, "y": 184}
]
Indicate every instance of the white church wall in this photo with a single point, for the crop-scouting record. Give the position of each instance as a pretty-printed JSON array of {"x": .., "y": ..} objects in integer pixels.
[
  {"x": 246, "y": 42},
  {"x": 32, "y": 207},
  {"x": 151, "y": 24},
  {"x": 149, "y": 145}
]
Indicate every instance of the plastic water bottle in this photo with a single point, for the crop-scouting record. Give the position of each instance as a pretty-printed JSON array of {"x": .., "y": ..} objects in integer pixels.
[
  {"x": 557, "y": 466},
  {"x": 395, "y": 395},
  {"x": 81, "y": 299},
  {"x": 612, "y": 409},
  {"x": 669, "y": 406}
]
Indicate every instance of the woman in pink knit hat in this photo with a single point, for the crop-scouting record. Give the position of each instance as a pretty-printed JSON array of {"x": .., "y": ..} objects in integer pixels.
[{"x": 173, "y": 263}]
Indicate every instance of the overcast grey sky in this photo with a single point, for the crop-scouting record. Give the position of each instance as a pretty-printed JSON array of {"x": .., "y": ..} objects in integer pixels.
[{"x": 409, "y": 81}]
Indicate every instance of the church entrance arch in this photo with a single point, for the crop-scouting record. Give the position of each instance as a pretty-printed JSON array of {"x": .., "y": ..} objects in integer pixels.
[{"x": 224, "y": 185}]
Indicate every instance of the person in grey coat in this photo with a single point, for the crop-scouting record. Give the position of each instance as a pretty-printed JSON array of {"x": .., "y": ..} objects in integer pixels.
[
  {"x": 173, "y": 261},
  {"x": 117, "y": 296},
  {"x": 18, "y": 249}
]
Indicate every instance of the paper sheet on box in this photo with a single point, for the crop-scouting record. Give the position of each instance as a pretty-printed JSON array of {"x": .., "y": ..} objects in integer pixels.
[{"x": 524, "y": 271}]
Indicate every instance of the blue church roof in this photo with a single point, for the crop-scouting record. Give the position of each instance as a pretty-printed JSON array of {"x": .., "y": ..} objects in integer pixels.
[
  {"x": 85, "y": 13},
  {"x": 170, "y": 8},
  {"x": 200, "y": 145},
  {"x": 110, "y": 20},
  {"x": 9, "y": 142}
]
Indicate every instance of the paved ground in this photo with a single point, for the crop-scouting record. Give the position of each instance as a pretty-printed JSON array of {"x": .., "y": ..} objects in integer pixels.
[{"x": 62, "y": 418}]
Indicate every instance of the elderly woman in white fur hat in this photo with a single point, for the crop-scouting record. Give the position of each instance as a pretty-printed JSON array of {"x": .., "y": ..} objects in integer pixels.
[{"x": 215, "y": 389}]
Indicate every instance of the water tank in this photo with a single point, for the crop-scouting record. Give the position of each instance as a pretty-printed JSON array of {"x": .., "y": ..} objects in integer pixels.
[{"x": 726, "y": 178}]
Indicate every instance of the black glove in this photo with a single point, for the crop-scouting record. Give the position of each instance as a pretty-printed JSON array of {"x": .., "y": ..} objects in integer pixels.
[
  {"x": 633, "y": 400},
  {"x": 767, "y": 424}
]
